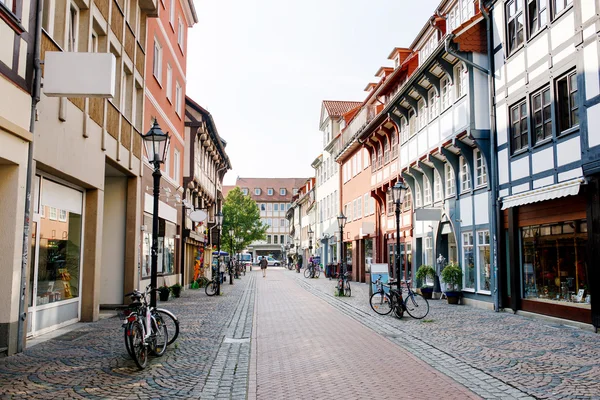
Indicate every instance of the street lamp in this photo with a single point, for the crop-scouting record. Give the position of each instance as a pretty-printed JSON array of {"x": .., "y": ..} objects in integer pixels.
[
  {"x": 342, "y": 223},
  {"x": 219, "y": 218},
  {"x": 310, "y": 236},
  {"x": 398, "y": 192},
  {"x": 156, "y": 143}
]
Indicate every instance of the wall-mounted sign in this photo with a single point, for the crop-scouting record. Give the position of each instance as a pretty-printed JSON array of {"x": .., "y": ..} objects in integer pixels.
[{"x": 198, "y": 215}]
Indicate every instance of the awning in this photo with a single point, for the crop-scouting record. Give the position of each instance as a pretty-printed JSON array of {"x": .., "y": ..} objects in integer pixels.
[{"x": 563, "y": 189}]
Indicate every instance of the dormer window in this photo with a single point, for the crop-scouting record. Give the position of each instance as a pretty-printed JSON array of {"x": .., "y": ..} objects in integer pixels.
[
  {"x": 282, "y": 191},
  {"x": 257, "y": 191},
  {"x": 245, "y": 191},
  {"x": 270, "y": 191},
  {"x": 397, "y": 61}
]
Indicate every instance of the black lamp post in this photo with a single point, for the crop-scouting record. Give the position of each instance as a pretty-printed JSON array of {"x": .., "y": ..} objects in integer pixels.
[
  {"x": 398, "y": 192},
  {"x": 310, "y": 236},
  {"x": 219, "y": 218},
  {"x": 156, "y": 143},
  {"x": 341, "y": 223}
]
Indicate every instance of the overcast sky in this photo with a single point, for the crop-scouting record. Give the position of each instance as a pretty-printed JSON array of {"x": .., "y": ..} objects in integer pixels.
[{"x": 262, "y": 68}]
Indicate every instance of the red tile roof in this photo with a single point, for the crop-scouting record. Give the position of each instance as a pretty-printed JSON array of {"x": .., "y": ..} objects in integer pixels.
[{"x": 339, "y": 108}]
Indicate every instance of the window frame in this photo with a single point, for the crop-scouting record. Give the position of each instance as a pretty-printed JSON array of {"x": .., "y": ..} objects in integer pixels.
[
  {"x": 479, "y": 261},
  {"x": 157, "y": 61},
  {"x": 438, "y": 193},
  {"x": 433, "y": 104},
  {"x": 535, "y": 25},
  {"x": 544, "y": 123},
  {"x": 386, "y": 150},
  {"x": 176, "y": 165},
  {"x": 422, "y": 114},
  {"x": 460, "y": 77},
  {"x": 270, "y": 191},
  {"x": 427, "y": 192},
  {"x": 467, "y": 244},
  {"x": 513, "y": 43},
  {"x": 169, "y": 83},
  {"x": 450, "y": 180},
  {"x": 282, "y": 191},
  {"x": 523, "y": 117},
  {"x": 481, "y": 177},
  {"x": 555, "y": 11},
  {"x": 257, "y": 191},
  {"x": 445, "y": 90},
  {"x": 465, "y": 175},
  {"x": 559, "y": 106}
]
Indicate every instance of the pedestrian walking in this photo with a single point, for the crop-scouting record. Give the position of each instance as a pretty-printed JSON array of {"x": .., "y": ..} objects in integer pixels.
[
  {"x": 263, "y": 266},
  {"x": 221, "y": 269},
  {"x": 299, "y": 263}
]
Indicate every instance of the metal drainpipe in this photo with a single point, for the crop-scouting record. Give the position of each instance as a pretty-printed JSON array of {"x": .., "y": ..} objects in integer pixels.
[
  {"x": 35, "y": 98},
  {"x": 494, "y": 170},
  {"x": 450, "y": 50}
]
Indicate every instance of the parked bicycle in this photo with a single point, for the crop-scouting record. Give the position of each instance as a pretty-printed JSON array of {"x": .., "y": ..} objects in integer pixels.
[
  {"x": 383, "y": 303},
  {"x": 343, "y": 285},
  {"x": 144, "y": 329},
  {"x": 212, "y": 287},
  {"x": 312, "y": 271}
]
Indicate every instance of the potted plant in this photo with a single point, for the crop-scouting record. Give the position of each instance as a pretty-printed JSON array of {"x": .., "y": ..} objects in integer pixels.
[
  {"x": 422, "y": 274},
  {"x": 163, "y": 293},
  {"x": 176, "y": 290},
  {"x": 452, "y": 276}
]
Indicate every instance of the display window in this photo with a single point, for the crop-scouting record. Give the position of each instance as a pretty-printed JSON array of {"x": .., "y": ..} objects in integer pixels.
[
  {"x": 554, "y": 263},
  {"x": 166, "y": 247},
  {"x": 468, "y": 261},
  {"x": 483, "y": 261}
]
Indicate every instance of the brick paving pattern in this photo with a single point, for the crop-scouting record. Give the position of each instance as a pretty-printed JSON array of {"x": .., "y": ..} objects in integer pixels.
[
  {"x": 496, "y": 355},
  {"x": 92, "y": 362},
  {"x": 306, "y": 349}
]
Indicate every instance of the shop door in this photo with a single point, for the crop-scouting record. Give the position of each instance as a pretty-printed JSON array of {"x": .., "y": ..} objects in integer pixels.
[{"x": 33, "y": 267}]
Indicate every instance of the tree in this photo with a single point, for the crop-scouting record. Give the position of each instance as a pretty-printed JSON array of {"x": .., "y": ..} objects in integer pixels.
[{"x": 241, "y": 214}]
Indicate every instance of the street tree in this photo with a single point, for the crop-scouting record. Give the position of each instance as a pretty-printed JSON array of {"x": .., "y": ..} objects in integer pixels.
[{"x": 241, "y": 214}]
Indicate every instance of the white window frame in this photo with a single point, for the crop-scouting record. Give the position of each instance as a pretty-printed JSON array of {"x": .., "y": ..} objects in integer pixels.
[
  {"x": 180, "y": 34},
  {"x": 169, "y": 83},
  {"x": 404, "y": 130},
  {"x": 418, "y": 195},
  {"x": 427, "y": 199},
  {"x": 157, "y": 61},
  {"x": 446, "y": 92},
  {"x": 167, "y": 163},
  {"x": 437, "y": 186},
  {"x": 270, "y": 191},
  {"x": 72, "y": 28},
  {"x": 172, "y": 14},
  {"x": 62, "y": 215},
  {"x": 359, "y": 207},
  {"x": 465, "y": 175},
  {"x": 269, "y": 207},
  {"x": 282, "y": 192},
  {"x": 481, "y": 178},
  {"x": 422, "y": 114},
  {"x": 450, "y": 181},
  {"x": 433, "y": 104},
  {"x": 178, "y": 98},
  {"x": 482, "y": 243},
  {"x": 53, "y": 214},
  {"x": 176, "y": 165},
  {"x": 460, "y": 77},
  {"x": 256, "y": 191}
]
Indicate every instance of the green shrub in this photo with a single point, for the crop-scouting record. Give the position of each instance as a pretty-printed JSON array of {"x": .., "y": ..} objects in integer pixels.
[
  {"x": 452, "y": 275},
  {"x": 423, "y": 272}
]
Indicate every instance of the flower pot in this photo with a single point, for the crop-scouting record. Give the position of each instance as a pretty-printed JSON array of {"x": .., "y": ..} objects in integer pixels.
[
  {"x": 453, "y": 297},
  {"x": 427, "y": 292},
  {"x": 176, "y": 291},
  {"x": 163, "y": 295}
]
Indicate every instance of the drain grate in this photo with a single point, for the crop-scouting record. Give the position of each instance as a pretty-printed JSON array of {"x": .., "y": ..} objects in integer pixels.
[{"x": 70, "y": 336}]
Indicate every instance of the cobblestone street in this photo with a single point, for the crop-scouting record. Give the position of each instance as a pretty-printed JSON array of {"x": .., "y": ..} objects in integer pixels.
[
  {"x": 285, "y": 336},
  {"x": 92, "y": 362},
  {"x": 496, "y": 355}
]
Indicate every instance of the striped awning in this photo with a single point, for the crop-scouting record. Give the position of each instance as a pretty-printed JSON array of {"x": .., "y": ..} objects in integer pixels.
[{"x": 563, "y": 189}]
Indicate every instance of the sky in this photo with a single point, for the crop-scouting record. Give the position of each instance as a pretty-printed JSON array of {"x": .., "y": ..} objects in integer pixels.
[{"x": 263, "y": 67}]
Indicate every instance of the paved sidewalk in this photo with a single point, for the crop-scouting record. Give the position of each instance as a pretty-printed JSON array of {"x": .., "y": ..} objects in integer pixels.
[
  {"x": 497, "y": 355},
  {"x": 303, "y": 348},
  {"x": 92, "y": 363}
]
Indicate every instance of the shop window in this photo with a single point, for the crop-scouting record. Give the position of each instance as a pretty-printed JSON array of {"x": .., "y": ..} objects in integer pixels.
[
  {"x": 428, "y": 258},
  {"x": 468, "y": 261},
  {"x": 483, "y": 260},
  {"x": 567, "y": 102},
  {"x": 146, "y": 246},
  {"x": 514, "y": 24},
  {"x": 518, "y": 127},
  {"x": 554, "y": 263},
  {"x": 406, "y": 259}
]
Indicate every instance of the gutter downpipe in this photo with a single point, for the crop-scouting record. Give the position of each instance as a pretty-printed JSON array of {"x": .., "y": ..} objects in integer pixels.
[
  {"x": 35, "y": 98},
  {"x": 495, "y": 221},
  {"x": 451, "y": 51}
]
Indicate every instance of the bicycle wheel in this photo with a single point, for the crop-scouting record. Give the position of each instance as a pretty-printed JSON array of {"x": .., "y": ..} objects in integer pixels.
[
  {"x": 416, "y": 306},
  {"x": 339, "y": 288},
  {"x": 307, "y": 273},
  {"x": 211, "y": 288},
  {"x": 347, "y": 290},
  {"x": 127, "y": 332},
  {"x": 138, "y": 345},
  {"x": 160, "y": 335},
  {"x": 172, "y": 324},
  {"x": 397, "y": 304},
  {"x": 381, "y": 303}
]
